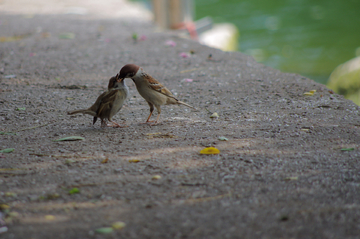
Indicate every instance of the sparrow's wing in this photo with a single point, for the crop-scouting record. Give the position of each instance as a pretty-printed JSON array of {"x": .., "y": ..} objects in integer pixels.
[
  {"x": 96, "y": 105},
  {"x": 157, "y": 86},
  {"x": 107, "y": 102}
]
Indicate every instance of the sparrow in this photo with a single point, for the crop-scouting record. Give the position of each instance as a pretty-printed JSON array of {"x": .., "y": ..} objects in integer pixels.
[
  {"x": 108, "y": 103},
  {"x": 150, "y": 89}
]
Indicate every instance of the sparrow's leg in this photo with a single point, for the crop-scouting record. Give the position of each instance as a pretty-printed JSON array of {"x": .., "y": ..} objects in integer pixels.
[
  {"x": 151, "y": 111},
  {"x": 159, "y": 112},
  {"x": 103, "y": 123}
]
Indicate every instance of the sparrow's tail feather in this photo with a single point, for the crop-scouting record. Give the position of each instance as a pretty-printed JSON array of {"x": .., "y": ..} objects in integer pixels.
[
  {"x": 183, "y": 103},
  {"x": 86, "y": 111}
]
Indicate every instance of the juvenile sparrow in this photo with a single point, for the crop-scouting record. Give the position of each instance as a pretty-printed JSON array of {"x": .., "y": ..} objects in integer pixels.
[
  {"x": 150, "y": 89},
  {"x": 108, "y": 103}
]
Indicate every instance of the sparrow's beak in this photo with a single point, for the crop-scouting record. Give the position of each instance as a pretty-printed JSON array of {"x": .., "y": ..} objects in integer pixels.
[{"x": 120, "y": 79}]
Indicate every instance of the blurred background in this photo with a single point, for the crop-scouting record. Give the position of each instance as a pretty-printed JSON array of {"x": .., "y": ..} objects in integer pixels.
[{"x": 309, "y": 37}]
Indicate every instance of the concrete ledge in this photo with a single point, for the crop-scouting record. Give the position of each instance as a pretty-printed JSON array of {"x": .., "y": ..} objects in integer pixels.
[{"x": 290, "y": 166}]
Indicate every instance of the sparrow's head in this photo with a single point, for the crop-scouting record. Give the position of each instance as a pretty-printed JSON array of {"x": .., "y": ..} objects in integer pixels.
[
  {"x": 128, "y": 71},
  {"x": 114, "y": 82}
]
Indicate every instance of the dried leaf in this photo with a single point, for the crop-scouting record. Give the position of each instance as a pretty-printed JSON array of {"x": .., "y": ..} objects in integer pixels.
[
  {"x": 70, "y": 138},
  {"x": 105, "y": 160},
  {"x": 104, "y": 230},
  {"x": 67, "y": 35},
  {"x": 156, "y": 177},
  {"x": 308, "y": 93},
  {"x": 118, "y": 225},
  {"x": 210, "y": 150},
  {"x": 50, "y": 217},
  {"x": 223, "y": 138},
  {"x": 10, "y": 194},
  {"x": 4, "y": 206},
  {"x": 214, "y": 115},
  {"x": 312, "y": 91},
  {"x": 291, "y": 178},
  {"x": 134, "y": 161}
]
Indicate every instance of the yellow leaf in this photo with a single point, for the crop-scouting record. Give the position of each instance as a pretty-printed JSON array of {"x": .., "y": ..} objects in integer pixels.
[
  {"x": 214, "y": 115},
  {"x": 156, "y": 177},
  {"x": 49, "y": 217},
  {"x": 105, "y": 160},
  {"x": 308, "y": 93},
  {"x": 134, "y": 161},
  {"x": 118, "y": 225},
  {"x": 312, "y": 91},
  {"x": 210, "y": 150}
]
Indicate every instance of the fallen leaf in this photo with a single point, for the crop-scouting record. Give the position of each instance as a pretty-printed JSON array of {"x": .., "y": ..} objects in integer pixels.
[
  {"x": 142, "y": 38},
  {"x": 4, "y": 206},
  {"x": 308, "y": 93},
  {"x": 156, "y": 177},
  {"x": 105, "y": 160},
  {"x": 69, "y": 161},
  {"x": 291, "y": 178},
  {"x": 69, "y": 98},
  {"x": 223, "y": 138},
  {"x": 134, "y": 161},
  {"x": 67, "y": 35},
  {"x": 7, "y": 133},
  {"x": 214, "y": 115},
  {"x": 170, "y": 43},
  {"x": 73, "y": 191},
  {"x": 8, "y": 150},
  {"x": 347, "y": 149},
  {"x": 104, "y": 230},
  {"x": 10, "y": 194},
  {"x": 184, "y": 55},
  {"x": 70, "y": 138},
  {"x": 9, "y": 76},
  {"x": 312, "y": 91},
  {"x": 118, "y": 225},
  {"x": 210, "y": 150},
  {"x": 135, "y": 37},
  {"x": 21, "y": 108},
  {"x": 50, "y": 217}
]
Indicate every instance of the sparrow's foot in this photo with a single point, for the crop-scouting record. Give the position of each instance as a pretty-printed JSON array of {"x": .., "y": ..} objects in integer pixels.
[{"x": 116, "y": 125}]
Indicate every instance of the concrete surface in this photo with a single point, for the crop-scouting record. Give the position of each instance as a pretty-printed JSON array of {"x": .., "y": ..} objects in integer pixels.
[{"x": 289, "y": 169}]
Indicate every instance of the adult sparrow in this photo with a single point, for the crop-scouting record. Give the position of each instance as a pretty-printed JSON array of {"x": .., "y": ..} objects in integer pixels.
[
  {"x": 108, "y": 103},
  {"x": 150, "y": 89}
]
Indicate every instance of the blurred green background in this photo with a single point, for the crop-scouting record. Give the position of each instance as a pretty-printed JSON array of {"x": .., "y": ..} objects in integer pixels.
[{"x": 309, "y": 37}]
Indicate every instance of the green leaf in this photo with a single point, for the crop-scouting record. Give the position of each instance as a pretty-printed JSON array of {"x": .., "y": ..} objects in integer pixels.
[
  {"x": 70, "y": 138},
  {"x": 21, "y": 108},
  {"x": 8, "y": 150},
  {"x": 347, "y": 149},
  {"x": 7, "y": 133},
  {"x": 104, "y": 230},
  {"x": 73, "y": 191}
]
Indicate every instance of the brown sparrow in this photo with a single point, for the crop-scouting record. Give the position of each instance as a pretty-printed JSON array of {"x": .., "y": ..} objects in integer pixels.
[
  {"x": 108, "y": 103},
  {"x": 150, "y": 89}
]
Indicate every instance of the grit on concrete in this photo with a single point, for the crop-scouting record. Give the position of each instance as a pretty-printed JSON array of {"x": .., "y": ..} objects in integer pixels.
[{"x": 281, "y": 174}]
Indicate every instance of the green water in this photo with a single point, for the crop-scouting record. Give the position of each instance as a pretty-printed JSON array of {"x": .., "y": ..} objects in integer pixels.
[{"x": 309, "y": 37}]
